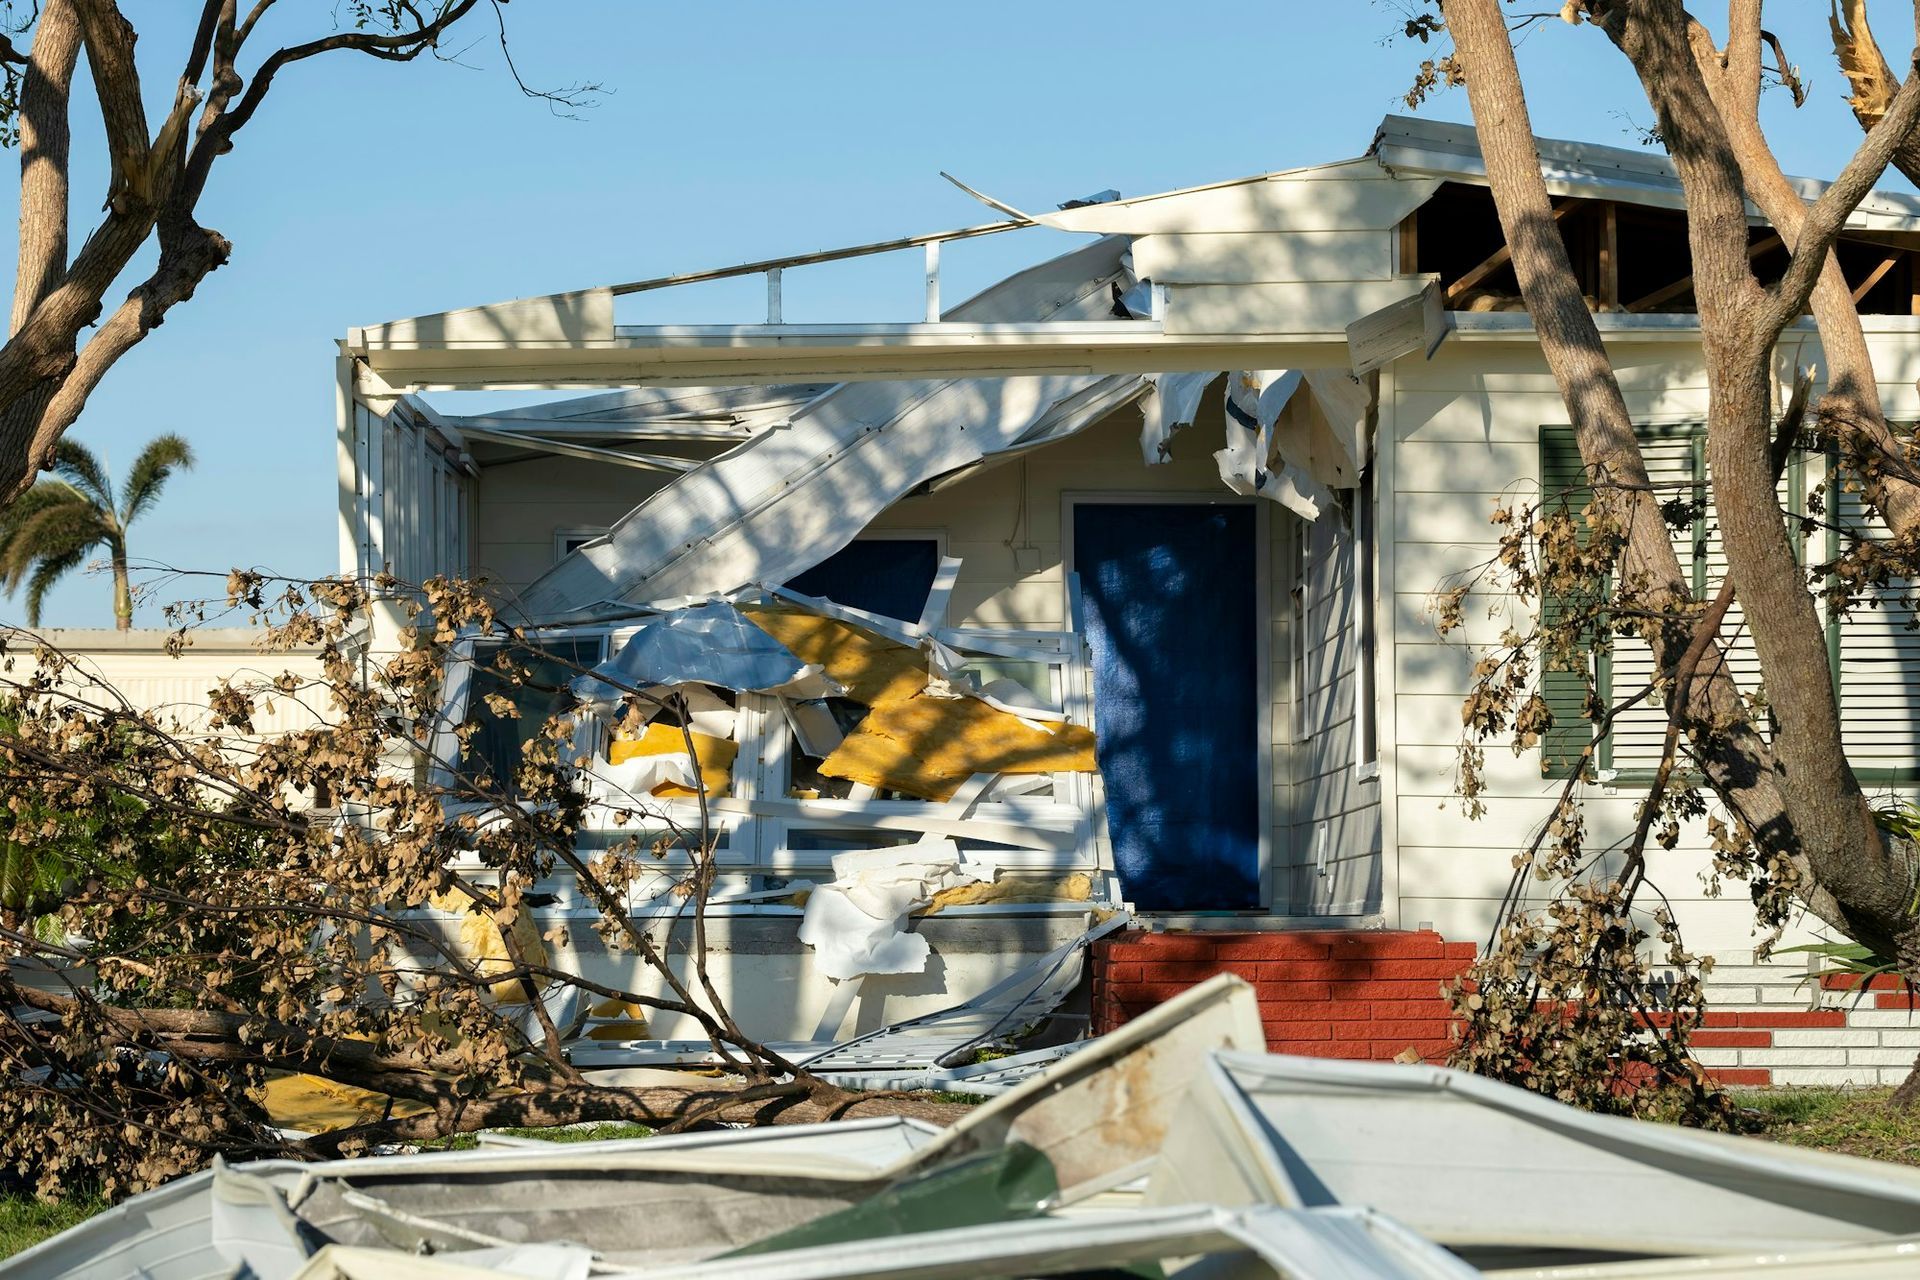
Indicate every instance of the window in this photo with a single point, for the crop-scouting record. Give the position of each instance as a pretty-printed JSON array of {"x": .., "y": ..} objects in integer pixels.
[
  {"x": 1366, "y": 726},
  {"x": 492, "y": 754},
  {"x": 1675, "y": 455},
  {"x": 887, "y": 576},
  {"x": 568, "y": 541}
]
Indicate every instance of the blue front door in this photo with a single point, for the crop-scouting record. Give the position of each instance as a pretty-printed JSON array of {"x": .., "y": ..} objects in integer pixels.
[{"x": 1172, "y": 620}]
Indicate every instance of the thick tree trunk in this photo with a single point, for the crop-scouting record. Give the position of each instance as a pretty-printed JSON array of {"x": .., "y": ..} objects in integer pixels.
[
  {"x": 1827, "y": 824},
  {"x": 45, "y": 140},
  {"x": 1851, "y": 404},
  {"x": 1740, "y": 762}
]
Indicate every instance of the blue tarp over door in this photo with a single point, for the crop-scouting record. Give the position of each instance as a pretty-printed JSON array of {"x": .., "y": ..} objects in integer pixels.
[{"x": 1171, "y": 620}]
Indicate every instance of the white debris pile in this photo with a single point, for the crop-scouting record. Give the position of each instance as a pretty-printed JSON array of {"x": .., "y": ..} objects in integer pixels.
[
  {"x": 1172, "y": 1142},
  {"x": 857, "y": 923}
]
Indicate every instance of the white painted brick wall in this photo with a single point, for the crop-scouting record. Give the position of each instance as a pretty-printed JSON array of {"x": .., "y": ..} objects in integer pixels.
[
  {"x": 1880, "y": 1057},
  {"x": 1875, "y": 1046},
  {"x": 1824, "y": 1078}
]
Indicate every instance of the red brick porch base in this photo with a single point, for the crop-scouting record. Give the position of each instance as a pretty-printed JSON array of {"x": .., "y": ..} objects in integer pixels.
[{"x": 1325, "y": 993}]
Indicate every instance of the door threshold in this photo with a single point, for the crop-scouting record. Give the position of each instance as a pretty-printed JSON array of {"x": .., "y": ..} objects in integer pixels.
[{"x": 1252, "y": 922}]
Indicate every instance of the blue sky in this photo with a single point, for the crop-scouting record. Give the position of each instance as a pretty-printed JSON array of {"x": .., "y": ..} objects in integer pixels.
[{"x": 731, "y": 131}]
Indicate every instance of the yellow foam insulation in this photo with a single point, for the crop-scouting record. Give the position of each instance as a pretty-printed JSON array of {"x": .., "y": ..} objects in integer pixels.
[
  {"x": 314, "y": 1105},
  {"x": 714, "y": 756},
  {"x": 478, "y": 942},
  {"x": 872, "y": 670},
  {"x": 1077, "y": 887},
  {"x": 928, "y": 746},
  {"x": 625, "y": 1021}
]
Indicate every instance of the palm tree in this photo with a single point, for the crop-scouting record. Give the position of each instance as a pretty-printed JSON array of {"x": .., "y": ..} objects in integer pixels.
[{"x": 53, "y": 526}]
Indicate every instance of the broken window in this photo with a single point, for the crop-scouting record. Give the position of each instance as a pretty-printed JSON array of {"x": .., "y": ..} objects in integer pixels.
[
  {"x": 887, "y": 576},
  {"x": 507, "y": 715}
]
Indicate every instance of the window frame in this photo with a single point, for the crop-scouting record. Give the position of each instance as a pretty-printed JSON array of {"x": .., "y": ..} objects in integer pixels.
[
  {"x": 1796, "y": 480},
  {"x": 1364, "y": 548}
]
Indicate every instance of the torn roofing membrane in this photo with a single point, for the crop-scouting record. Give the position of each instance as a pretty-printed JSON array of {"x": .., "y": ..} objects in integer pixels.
[{"x": 708, "y": 643}]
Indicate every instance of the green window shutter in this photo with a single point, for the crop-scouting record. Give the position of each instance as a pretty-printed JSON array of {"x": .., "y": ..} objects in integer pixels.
[
  {"x": 1876, "y": 652},
  {"x": 1564, "y": 485}
]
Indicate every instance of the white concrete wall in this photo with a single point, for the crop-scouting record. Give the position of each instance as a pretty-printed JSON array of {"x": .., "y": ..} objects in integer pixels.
[{"x": 136, "y": 664}]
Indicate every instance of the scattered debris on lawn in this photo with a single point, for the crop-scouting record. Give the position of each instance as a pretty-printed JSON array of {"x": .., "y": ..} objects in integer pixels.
[{"x": 1173, "y": 1142}]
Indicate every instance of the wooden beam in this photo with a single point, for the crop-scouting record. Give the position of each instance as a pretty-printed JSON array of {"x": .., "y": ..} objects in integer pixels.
[
  {"x": 1875, "y": 276},
  {"x": 1685, "y": 283},
  {"x": 1409, "y": 244},
  {"x": 1494, "y": 261}
]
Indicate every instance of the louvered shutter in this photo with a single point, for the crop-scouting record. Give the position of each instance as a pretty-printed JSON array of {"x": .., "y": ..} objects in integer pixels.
[
  {"x": 1563, "y": 486},
  {"x": 1676, "y": 464},
  {"x": 1879, "y": 652}
]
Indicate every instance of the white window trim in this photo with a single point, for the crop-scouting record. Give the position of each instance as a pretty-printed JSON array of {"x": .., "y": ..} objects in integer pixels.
[
  {"x": 1364, "y": 549},
  {"x": 572, "y": 533}
]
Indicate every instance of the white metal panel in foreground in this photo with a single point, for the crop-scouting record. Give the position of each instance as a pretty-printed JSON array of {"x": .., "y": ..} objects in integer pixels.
[
  {"x": 1482, "y": 1166},
  {"x": 1326, "y": 1244},
  {"x": 1317, "y": 1169},
  {"x": 166, "y": 1234}
]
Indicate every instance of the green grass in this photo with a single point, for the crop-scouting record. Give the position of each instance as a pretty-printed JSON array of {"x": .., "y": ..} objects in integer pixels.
[
  {"x": 25, "y": 1222},
  {"x": 1854, "y": 1122}
]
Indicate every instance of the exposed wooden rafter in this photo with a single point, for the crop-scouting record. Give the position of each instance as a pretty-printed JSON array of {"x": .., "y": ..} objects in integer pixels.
[
  {"x": 1609, "y": 298},
  {"x": 1684, "y": 284},
  {"x": 1495, "y": 260},
  {"x": 1875, "y": 276}
]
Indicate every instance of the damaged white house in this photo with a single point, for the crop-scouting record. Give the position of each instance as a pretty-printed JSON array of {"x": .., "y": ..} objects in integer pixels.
[{"x": 1190, "y": 486}]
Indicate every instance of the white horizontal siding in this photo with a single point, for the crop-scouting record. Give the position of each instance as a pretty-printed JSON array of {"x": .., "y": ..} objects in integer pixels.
[
  {"x": 1264, "y": 257},
  {"x": 1317, "y": 307},
  {"x": 1335, "y": 866},
  {"x": 1464, "y": 430}
]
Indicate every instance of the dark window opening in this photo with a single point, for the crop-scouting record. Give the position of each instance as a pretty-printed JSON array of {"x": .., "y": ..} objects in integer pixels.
[
  {"x": 492, "y": 755},
  {"x": 887, "y": 576}
]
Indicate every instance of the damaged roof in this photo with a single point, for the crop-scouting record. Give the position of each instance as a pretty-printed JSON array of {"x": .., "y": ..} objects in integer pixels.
[{"x": 1407, "y": 145}]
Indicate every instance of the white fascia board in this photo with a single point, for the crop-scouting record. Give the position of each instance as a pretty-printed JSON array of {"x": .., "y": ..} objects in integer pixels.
[
  {"x": 741, "y": 355},
  {"x": 777, "y": 336},
  {"x": 1509, "y": 326},
  {"x": 580, "y": 371}
]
